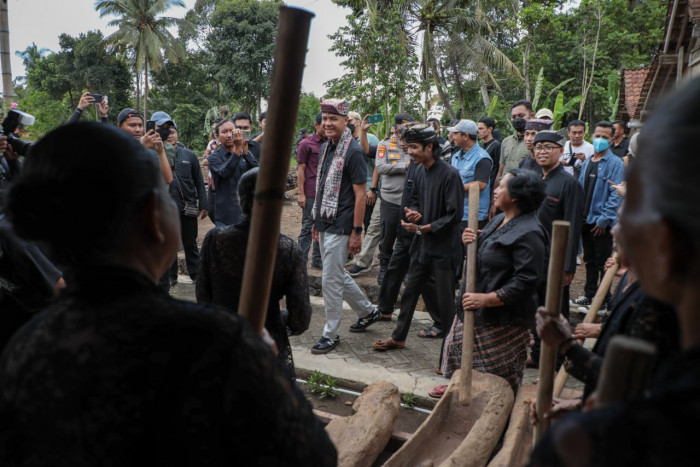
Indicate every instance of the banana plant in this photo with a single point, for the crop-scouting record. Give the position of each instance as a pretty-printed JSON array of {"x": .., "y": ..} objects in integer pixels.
[{"x": 560, "y": 108}]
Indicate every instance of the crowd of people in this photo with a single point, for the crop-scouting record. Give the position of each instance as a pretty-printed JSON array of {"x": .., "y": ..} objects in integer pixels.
[{"x": 104, "y": 365}]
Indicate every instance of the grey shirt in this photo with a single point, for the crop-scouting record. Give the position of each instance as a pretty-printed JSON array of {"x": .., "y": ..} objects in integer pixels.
[{"x": 391, "y": 165}]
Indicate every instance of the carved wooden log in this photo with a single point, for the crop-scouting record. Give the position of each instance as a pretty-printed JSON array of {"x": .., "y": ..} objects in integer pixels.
[{"x": 361, "y": 437}]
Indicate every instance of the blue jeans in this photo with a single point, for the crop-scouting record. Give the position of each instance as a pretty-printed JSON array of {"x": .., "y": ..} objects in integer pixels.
[{"x": 304, "y": 239}]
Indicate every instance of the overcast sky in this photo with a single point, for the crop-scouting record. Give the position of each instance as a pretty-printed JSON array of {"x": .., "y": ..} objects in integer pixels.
[{"x": 42, "y": 21}]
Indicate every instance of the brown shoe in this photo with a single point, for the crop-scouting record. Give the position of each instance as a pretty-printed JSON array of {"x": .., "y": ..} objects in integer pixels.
[{"x": 388, "y": 344}]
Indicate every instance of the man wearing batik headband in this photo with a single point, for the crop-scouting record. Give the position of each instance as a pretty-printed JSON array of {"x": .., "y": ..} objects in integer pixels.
[
  {"x": 532, "y": 127},
  {"x": 339, "y": 208}
]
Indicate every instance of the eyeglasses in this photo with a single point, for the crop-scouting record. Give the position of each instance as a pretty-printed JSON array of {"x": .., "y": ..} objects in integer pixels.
[{"x": 545, "y": 148}]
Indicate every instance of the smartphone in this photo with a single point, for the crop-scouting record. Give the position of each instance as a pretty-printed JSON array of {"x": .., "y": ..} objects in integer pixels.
[
  {"x": 150, "y": 125},
  {"x": 376, "y": 118},
  {"x": 246, "y": 134},
  {"x": 97, "y": 97}
]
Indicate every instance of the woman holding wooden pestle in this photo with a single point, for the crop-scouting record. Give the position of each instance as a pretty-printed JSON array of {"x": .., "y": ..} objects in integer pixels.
[
  {"x": 661, "y": 232},
  {"x": 117, "y": 372},
  {"x": 632, "y": 313},
  {"x": 510, "y": 266}
]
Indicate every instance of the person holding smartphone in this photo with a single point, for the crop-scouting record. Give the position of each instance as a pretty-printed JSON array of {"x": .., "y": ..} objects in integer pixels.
[
  {"x": 85, "y": 100},
  {"x": 227, "y": 164}
]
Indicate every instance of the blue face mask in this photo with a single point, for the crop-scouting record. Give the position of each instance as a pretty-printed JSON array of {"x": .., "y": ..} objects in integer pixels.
[{"x": 600, "y": 145}]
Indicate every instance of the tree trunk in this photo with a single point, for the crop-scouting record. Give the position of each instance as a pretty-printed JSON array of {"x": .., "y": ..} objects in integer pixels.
[
  {"x": 458, "y": 82},
  {"x": 485, "y": 94},
  {"x": 138, "y": 86},
  {"x": 8, "y": 92},
  {"x": 595, "y": 53},
  {"x": 438, "y": 84},
  {"x": 526, "y": 75},
  {"x": 145, "y": 87}
]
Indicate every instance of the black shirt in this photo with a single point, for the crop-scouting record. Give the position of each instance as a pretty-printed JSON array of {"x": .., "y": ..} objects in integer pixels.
[
  {"x": 493, "y": 149},
  {"x": 564, "y": 201},
  {"x": 118, "y": 373},
  {"x": 621, "y": 149},
  {"x": 529, "y": 163},
  {"x": 440, "y": 199},
  {"x": 354, "y": 173},
  {"x": 589, "y": 183}
]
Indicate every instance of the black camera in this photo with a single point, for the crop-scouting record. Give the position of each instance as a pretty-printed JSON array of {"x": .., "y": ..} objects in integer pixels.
[{"x": 13, "y": 119}]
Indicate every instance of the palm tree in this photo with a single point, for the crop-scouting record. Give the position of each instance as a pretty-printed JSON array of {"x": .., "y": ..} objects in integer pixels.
[
  {"x": 7, "y": 89},
  {"x": 144, "y": 31},
  {"x": 454, "y": 37}
]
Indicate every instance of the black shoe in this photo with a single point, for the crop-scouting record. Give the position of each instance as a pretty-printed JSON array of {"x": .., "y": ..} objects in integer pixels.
[
  {"x": 325, "y": 345},
  {"x": 317, "y": 265},
  {"x": 356, "y": 270},
  {"x": 367, "y": 321}
]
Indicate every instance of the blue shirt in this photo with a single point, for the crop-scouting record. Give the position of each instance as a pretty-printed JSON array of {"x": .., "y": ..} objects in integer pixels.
[
  {"x": 605, "y": 201},
  {"x": 466, "y": 164}
]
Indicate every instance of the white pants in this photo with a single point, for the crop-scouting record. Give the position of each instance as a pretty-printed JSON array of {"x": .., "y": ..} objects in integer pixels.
[
  {"x": 337, "y": 284},
  {"x": 372, "y": 237}
]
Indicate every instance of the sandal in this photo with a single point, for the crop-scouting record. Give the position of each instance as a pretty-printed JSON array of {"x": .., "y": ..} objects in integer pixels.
[
  {"x": 438, "y": 371},
  {"x": 387, "y": 344},
  {"x": 430, "y": 333},
  {"x": 438, "y": 391},
  {"x": 386, "y": 317}
]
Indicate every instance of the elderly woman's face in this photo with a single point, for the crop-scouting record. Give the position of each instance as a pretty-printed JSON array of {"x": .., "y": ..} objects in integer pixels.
[
  {"x": 501, "y": 198},
  {"x": 640, "y": 237}
]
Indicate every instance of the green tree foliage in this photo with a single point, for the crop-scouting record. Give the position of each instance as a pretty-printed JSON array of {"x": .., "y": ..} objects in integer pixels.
[
  {"x": 381, "y": 65},
  {"x": 186, "y": 90},
  {"x": 144, "y": 31},
  {"x": 55, "y": 82},
  {"x": 560, "y": 39},
  {"x": 242, "y": 44}
]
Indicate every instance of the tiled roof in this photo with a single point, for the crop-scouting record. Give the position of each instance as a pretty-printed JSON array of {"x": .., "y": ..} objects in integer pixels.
[
  {"x": 630, "y": 95},
  {"x": 694, "y": 10}
]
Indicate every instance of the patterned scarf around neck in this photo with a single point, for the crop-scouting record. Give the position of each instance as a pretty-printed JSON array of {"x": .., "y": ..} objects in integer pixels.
[{"x": 334, "y": 176}]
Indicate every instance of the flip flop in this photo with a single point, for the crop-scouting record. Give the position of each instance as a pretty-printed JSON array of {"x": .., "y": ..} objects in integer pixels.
[
  {"x": 438, "y": 391},
  {"x": 438, "y": 371},
  {"x": 387, "y": 344},
  {"x": 430, "y": 333}
]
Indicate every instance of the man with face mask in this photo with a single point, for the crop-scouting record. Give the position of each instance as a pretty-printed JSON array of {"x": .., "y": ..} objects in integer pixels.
[
  {"x": 601, "y": 203},
  {"x": 513, "y": 148}
]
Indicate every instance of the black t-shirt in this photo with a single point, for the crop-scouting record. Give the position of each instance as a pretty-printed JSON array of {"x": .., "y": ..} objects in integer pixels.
[
  {"x": 354, "y": 173},
  {"x": 493, "y": 149},
  {"x": 482, "y": 171},
  {"x": 589, "y": 184}
]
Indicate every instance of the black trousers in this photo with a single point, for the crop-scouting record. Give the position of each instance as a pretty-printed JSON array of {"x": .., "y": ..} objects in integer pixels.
[
  {"x": 391, "y": 223},
  {"x": 596, "y": 250},
  {"x": 188, "y": 233},
  {"x": 395, "y": 273},
  {"x": 368, "y": 215},
  {"x": 419, "y": 274}
]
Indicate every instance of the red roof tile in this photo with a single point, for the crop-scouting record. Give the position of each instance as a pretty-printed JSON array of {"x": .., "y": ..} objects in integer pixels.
[{"x": 633, "y": 82}]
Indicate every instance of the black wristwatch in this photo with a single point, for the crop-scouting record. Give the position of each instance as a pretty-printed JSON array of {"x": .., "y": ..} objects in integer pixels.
[
  {"x": 373, "y": 188},
  {"x": 357, "y": 229}
]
